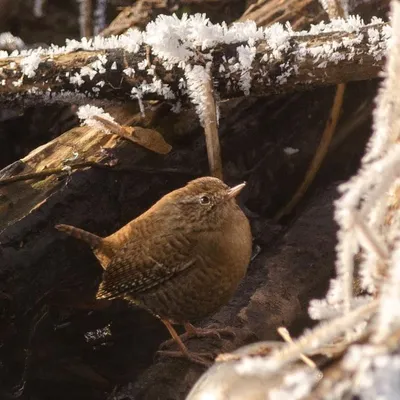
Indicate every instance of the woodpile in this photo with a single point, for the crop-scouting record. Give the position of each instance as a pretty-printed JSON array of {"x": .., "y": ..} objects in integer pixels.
[{"x": 55, "y": 338}]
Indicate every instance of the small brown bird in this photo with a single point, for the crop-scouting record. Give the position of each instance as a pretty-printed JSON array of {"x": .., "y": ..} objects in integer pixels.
[{"x": 182, "y": 259}]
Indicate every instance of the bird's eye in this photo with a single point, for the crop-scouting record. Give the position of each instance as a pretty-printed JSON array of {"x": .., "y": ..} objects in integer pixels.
[{"x": 204, "y": 200}]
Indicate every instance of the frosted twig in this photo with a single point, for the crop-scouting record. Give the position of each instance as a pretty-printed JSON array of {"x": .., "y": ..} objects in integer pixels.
[
  {"x": 389, "y": 310},
  {"x": 310, "y": 341},
  {"x": 369, "y": 240},
  {"x": 287, "y": 338},
  {"x": 116, "y": 67},
  {"x": 320, "y": 309}
]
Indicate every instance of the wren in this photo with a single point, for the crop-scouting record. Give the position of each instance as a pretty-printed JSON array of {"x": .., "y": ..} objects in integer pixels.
[{"x": 182, "y": 259}]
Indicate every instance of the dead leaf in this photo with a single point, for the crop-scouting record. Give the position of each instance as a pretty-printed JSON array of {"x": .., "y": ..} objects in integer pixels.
[{"x": 148, "y": 138}]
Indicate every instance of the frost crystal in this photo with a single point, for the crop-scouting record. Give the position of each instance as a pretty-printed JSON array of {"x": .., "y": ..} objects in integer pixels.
[
  {"x": 296, "y": 385},
  {"x": 246, "y": 56},
  {"x": 29, "y": 65},
  {"x": 76, "y": 80},
  {"x": 175, "y": 40},
  {"x": 86, "y": 112},
  {"x": 277, "y": 38},
  {"x": 290, "y": 151},
  {"x": 190, "y": 40},
  {"x": 10, "y": 42},
  {"x": 375, "y": 371},
  {"x": 129, "y": 72},
  {"x": 164, "y": 35},
  {"x": 196, "y": 78}
]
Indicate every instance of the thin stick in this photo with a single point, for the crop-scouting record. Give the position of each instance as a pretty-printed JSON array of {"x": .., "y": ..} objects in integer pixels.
[
  {"x": 45, "y": 173},
  {"x": 211, "y": 133},
  {"x": 86, "y": 17},
  {"x": 79, "y": 166}
]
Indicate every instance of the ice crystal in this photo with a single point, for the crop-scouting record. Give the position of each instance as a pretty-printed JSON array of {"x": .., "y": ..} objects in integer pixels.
[
  {"x": 296, "y": 385},
  {"x": 290, "y": 151},
  {"x": 87, "y": 112},
  {"x": 246, "y": 56},
  {"x": 196, "y": 78},
  {"x": 187, "y": 42},
  {"x": 10, "y": 42},
  {"x": 30, "y": 64}
]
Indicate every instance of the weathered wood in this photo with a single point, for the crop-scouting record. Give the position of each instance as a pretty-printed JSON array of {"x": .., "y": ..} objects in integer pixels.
[
  {"x": 41, "y": 267},
  {"x": 48, "y": 278},
  {"x": 302, "y": 13},
  {"x": 140, "y": 13},
  {"x": 302, "y": 65}
]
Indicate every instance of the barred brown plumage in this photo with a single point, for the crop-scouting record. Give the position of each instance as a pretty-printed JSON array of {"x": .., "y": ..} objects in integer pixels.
[{"x": 182, "y": 259}]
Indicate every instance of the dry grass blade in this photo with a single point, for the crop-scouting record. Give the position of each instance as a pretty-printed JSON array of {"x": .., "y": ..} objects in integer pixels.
[{"x": 287, "y": 338}]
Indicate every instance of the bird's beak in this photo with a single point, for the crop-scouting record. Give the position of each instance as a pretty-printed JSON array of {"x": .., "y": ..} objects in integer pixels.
[{"x": 234, "y": 191}]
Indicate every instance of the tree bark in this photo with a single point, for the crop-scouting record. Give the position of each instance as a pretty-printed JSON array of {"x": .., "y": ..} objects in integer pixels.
[{"x": 306, "y": 62}]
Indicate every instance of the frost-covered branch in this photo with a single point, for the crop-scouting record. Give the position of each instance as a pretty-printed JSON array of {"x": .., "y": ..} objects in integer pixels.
[{"x": 243, "y": 59}]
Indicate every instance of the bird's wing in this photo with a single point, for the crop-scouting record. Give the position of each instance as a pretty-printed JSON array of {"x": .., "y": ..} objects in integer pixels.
[{"x": 140, "y": 266}]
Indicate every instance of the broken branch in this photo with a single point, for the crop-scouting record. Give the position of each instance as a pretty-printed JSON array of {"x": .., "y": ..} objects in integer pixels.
[{"x": 304, "y": 60}]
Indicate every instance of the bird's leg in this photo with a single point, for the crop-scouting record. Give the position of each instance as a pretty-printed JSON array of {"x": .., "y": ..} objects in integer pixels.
[
  {"x": 184, "y": 352},
  {"x": 192, "y": 331}
]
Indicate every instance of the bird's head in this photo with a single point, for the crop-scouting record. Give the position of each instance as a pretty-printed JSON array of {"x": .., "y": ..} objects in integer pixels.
[{"x": 206, "y": 200}]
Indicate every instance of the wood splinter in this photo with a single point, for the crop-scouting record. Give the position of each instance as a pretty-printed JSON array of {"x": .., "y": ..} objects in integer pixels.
[{"x": 211, "y": 132}]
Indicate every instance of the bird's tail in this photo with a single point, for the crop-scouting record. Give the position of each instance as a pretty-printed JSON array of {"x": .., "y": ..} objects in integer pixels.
[{"x": 93, "y": 240}]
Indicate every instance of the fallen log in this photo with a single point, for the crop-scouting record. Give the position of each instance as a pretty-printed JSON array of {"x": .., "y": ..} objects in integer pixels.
[{"x": 285, "y": 62}]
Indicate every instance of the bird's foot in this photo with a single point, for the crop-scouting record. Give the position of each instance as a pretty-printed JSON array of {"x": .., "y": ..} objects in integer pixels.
[
  {"x": 192, "y": 332},
  {"x": 209, "y": 332},
  {"x": 203, "y": 359}
]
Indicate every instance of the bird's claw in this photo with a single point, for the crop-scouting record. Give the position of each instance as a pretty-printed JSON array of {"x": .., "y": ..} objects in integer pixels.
[{"x": 217, "y": 333}]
